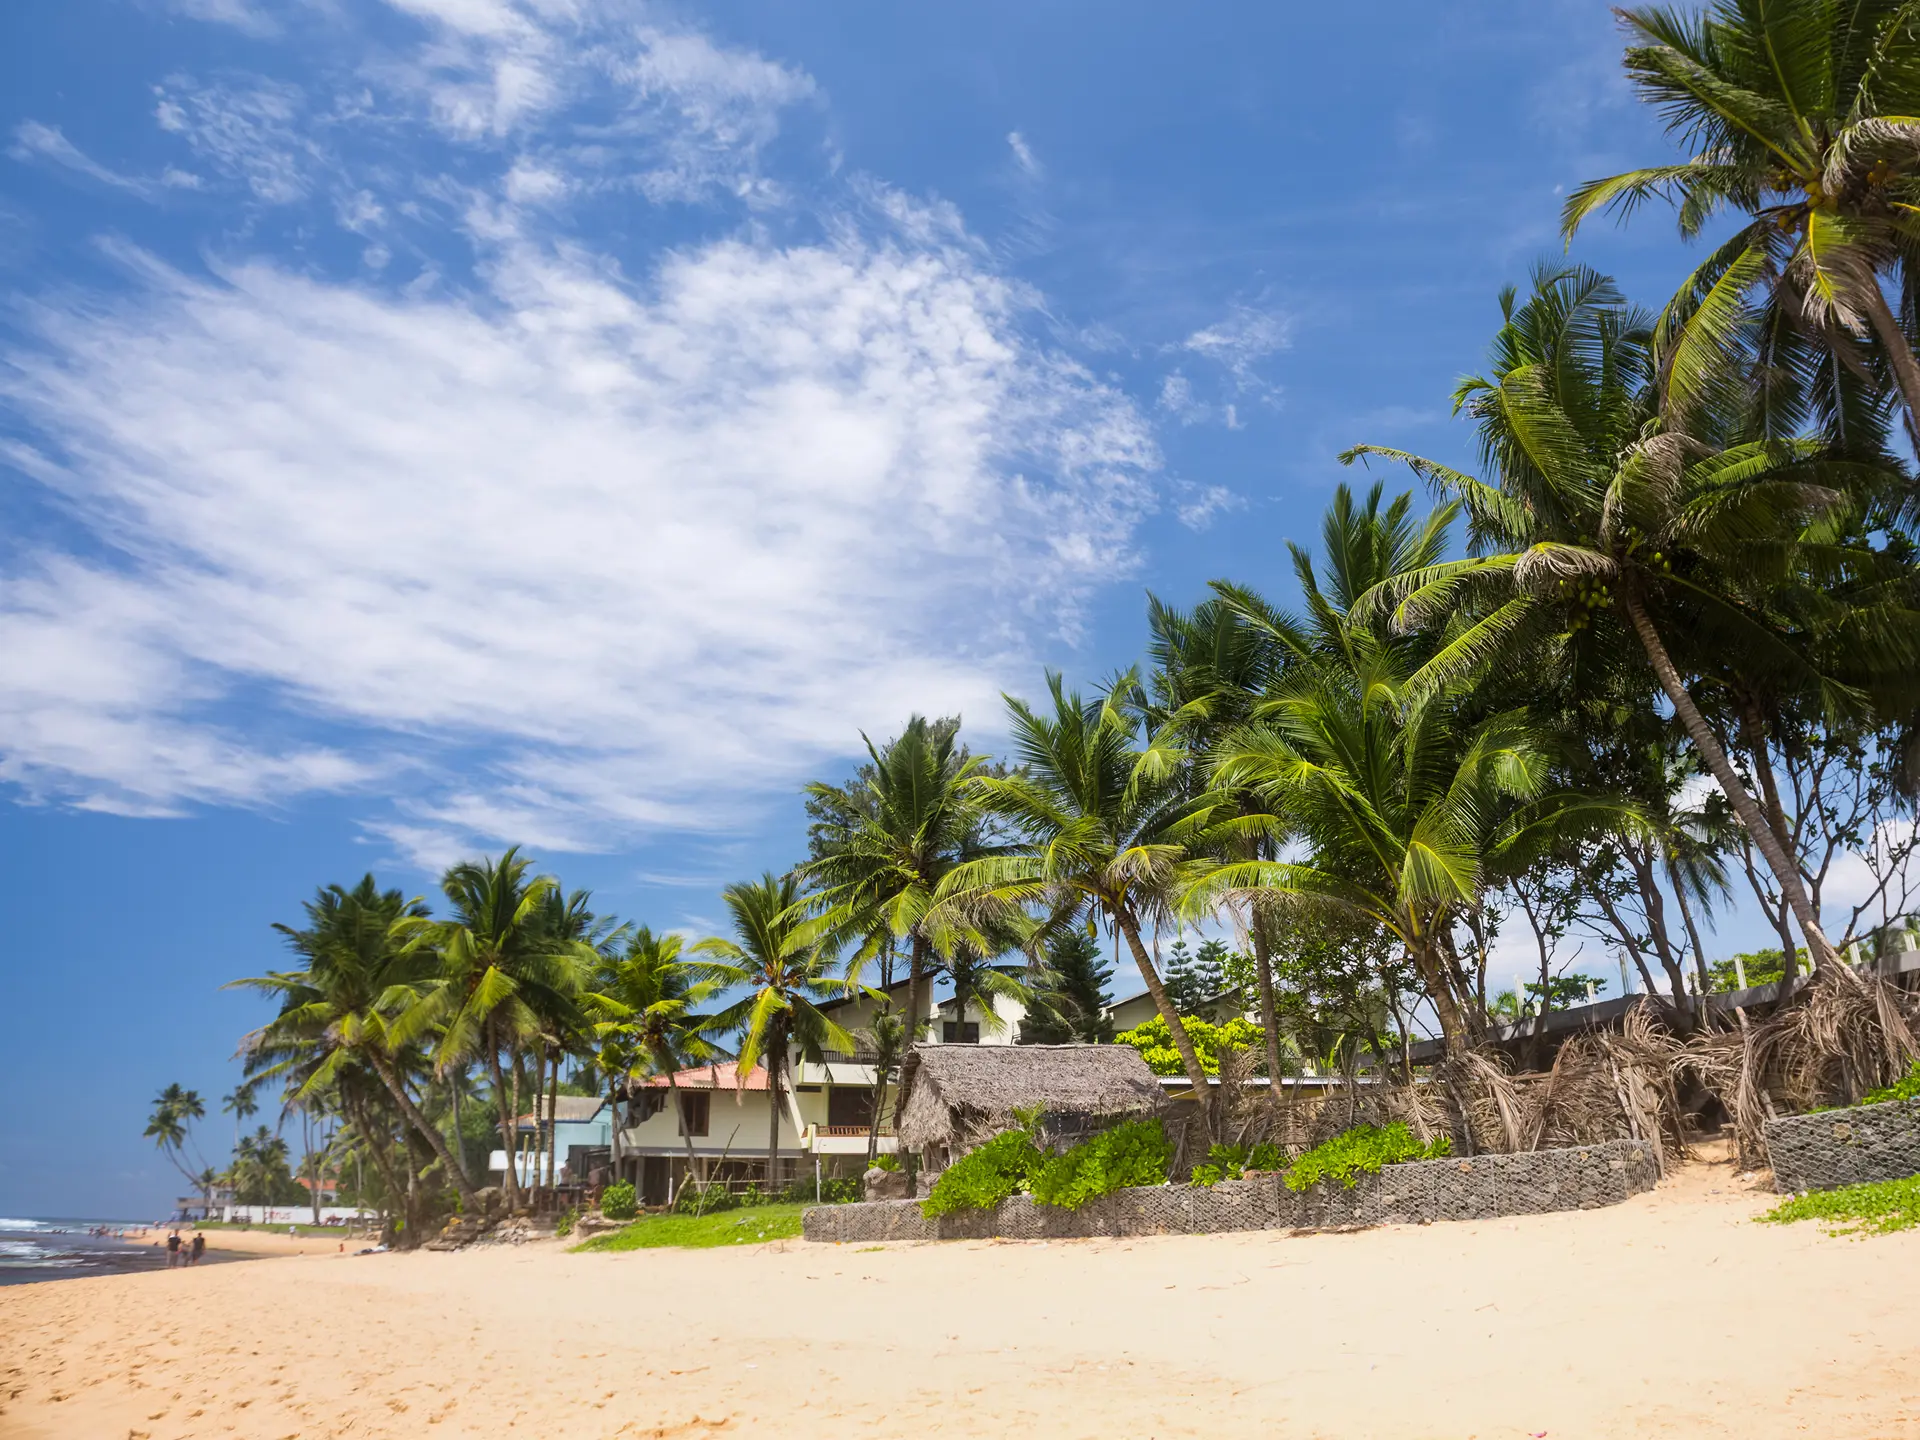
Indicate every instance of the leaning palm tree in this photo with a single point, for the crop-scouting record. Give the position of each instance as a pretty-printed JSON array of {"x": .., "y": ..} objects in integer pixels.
[
  {"x": 1720, "y": 558},
  {"x": 883, "y": 844},
  {"x": 1097, "y": 831},
  {"x": 170, "y": 1127},
  {"x": 359, "y": 966},
  {"x": 787, "y": 973},
  {"x": 1803, "y": 116}
]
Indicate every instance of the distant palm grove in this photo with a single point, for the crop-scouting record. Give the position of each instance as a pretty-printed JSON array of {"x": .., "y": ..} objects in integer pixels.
[{"x": 1657, "y": 656}]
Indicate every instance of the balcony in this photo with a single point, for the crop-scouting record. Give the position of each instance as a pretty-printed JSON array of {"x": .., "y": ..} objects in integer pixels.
[{"x": 846, "y": 1140}]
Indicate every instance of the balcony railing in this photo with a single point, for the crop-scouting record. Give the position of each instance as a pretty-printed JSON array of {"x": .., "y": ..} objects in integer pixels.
[
  {"x": 855, "y": 1056},
  {"x": 833, "y": 1132}
]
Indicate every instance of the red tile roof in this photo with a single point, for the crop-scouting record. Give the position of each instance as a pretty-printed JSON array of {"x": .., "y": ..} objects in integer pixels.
[{"x": 718, "y": 1076}]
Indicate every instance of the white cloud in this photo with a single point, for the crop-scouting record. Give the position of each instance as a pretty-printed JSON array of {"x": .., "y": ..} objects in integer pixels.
[
  {"x": 239, "y": 14},
  {"x": 34, "y": 141},
  {"x": 1023, "y": 154},
  {"x": 1239, "y": 342},
  {"x": 1196, "y": 505},
  {"x": 576, "y": 558},
  {"x": 259, "y": 134}
]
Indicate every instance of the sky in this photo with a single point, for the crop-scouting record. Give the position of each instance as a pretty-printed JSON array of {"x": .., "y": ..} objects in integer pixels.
[{"x": 432, "y": 425}]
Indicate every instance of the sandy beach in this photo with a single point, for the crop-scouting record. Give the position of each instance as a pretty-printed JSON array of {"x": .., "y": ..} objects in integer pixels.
[{"x": 1670, "y": 1315}]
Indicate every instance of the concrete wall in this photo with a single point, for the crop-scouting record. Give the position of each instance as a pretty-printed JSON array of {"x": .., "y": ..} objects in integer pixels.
[
  {"x": 1845, "y": 1147},
  {"x": 1482, "y": 1188}
]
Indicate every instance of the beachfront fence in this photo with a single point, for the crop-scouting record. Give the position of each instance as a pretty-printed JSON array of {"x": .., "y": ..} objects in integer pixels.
[{"x": 293, "y": 1214}]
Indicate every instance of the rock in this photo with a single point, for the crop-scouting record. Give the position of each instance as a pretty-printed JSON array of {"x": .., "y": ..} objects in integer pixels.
[
  {"x": 887, "y": 1185},
  {"x": 594, "y": 1223}
]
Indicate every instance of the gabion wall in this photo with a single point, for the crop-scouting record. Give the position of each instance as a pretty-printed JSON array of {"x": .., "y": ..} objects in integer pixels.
[
  {"x": 1845, "y": 1147},
  {"x": 1483, "y": 1188}
]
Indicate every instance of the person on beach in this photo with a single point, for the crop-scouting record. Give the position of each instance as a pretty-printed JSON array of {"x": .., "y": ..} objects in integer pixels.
[
  {"x": 173, "y": 1249},
  {"x": 199, "y": 1248}
]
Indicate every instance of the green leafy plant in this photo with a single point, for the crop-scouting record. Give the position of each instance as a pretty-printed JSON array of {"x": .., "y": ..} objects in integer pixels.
[
  {"x": 618, "y": 1202},
  {"x": 1231, "y": 1162},
  {"x": 1135, "y": 1153},
  {"x": 1362, "y": 1151},
  {"x": 1877, "y": 1209},
  {"x": 563, "y": 1227},
  {"x": 1154, "y": 1040},
  {"x": 886, "y": 1162},
  {"x": 712, "y": 1198},
  {"x": 1907, "y": 1087},
  {"x": 980, "y": 1180}
]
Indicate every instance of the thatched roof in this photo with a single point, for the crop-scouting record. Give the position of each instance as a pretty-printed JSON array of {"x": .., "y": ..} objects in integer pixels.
[{"x": 955, "y": 1094}]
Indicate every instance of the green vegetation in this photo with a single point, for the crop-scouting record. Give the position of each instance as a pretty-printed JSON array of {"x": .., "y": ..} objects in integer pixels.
[
  {"x": 1153, "y": 1039},
  {"x": 1231, "y": 1162},
  {"x": 979, "y": 1180},
  {"x": 618, "y": 1202},
  {"x": 1362, "y": 1151},
  {"x": 1907, "y": 1087},
  {"x": 1876, "y": 1209},
  {"x": 754, "y": 1226},
  {"x": 1136, "y": 1152}
]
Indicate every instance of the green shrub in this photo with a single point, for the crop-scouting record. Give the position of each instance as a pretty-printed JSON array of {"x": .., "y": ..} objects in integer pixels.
[
  {"x": 1154, "y": 1040},
  {"x": 1230, "y": 1162},
  {"x": 1135, "y": 1153},
  {"x": 1003, "y": 1166},
  {"x": 1876, "y": 1209},
  {"x": 717, "y": 1199},
  {"x": 563, "y": 1227},
  {"x": 886, "y": 1162},
  {"x": 1362, "y": 1150},
  {"x": 1907, "y": 1087},
  {"x": 618, "y": 1202}
]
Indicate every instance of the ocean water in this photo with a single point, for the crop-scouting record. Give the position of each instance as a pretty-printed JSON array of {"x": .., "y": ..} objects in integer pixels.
[{"x": 37, "y": 1250}]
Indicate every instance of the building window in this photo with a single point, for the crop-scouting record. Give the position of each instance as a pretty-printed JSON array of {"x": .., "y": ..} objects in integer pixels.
[
  {"x": 967, "y": 1034},
  {"x": 696, "y": 1106},
  {"x": 849, "y": 1105}
]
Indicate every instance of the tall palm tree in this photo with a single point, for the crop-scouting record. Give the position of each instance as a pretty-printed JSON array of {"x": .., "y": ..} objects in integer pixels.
[
  {"x": 1407, "y": 812},
  {"x": 644, "y": 997},
  {"x": 1097, "y": 831},
  {"x": 1719, "y": 558},
  {"x": 778, "y": 958},
  {"x": 883, "y": 845},
  {"x": 240, "y": 1104},
  {"x": 502, "y": 974},
  {"x": 1801, "y": 115},
  {"x": 887, "y": 1039},
  {"x": 170, "y": 1127},
  {"x": 361, "y": 967}
]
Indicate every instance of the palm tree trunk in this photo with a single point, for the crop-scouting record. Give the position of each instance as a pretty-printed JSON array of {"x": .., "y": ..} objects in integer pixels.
[
  {"x": 773, "y": 1113},
  {"x": 918, "y": 983},
  {"x": 613, "y": 1127},
  {"x": 1785, "y": 874},
  {"x": 553, "y": 1123},
  {"x": 1693, "y": 939},
  {"x": 1453, "y": 1025},
  {"x": 1900, "y": 358},
  {"x": 383, "y": 1067},
  {"x": 679, "y": 1115},
  {"x": 873, "y": 1120},
  {"x": 508, "y": 1121},
  {"x": 1269, "y": 1011},
  {"x": 1182, "y": 1042}
]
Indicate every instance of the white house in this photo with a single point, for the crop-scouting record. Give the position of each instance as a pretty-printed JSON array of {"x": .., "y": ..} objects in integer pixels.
[{"x": 724, "y": 1118}]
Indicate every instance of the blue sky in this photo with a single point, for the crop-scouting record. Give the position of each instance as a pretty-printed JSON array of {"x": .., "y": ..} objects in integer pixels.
[{"x": 435, "y": 424}]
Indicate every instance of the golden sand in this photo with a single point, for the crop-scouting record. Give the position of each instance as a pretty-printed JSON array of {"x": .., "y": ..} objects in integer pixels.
[{"x": 1671, "y": 1315}]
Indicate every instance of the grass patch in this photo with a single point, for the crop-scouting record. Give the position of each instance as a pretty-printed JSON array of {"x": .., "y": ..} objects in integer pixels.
[
  {"x": 1876, "y": 1209},
  {"x": 752, "y": 1226}
]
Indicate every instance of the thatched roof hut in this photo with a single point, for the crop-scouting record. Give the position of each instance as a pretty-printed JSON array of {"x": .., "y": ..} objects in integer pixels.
[{"x": 956, "y": 1096}]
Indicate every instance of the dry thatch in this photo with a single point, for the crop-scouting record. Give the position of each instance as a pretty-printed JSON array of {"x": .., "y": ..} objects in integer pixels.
[{"x": 958, "y": 1095}]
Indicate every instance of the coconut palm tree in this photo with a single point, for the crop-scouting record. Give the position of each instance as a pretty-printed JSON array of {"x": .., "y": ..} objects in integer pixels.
[
  {"x": 887, "y": 1039},
  {"x": 502, "y": 974},
  {"x": 1802, "y": 116},
  {"x": 240, "y": 1104},
  {"x": 779, "y": 959},
  {"x": 644, "y": 997},
  {"x": 883, "y": 845},
  {"x": 1720, "y": 558},
  {"x": 1096, "y": 830},
  {"x": 170, "y": 1127},
  {"x": 361, "y": 967}
]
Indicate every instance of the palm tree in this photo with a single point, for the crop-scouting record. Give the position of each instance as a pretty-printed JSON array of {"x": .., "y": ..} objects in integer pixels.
[
  {"x": 645, "y": 995},
  {"x": 883, "y": 845},
  {"x": 1706, "y": 551},
  {"x": 502, "y": 974},
  {"x": 170, "y": 1127},
  {"x": 886, "y": 1039},
  {"x": 361, "y": 967},
  {"x": 779, "y": 958},
  {"x": 240, "y": 1104},
  {"x": 1408, "y": 812},
  {"x": 1097, "y": 830},
  {"x": 1801, "y": 115}
]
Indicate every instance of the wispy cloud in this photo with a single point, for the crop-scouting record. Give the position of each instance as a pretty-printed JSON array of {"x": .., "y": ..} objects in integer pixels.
[
  {"x": 34, "y": 141},
  {"x": 1023, "y": 154}
]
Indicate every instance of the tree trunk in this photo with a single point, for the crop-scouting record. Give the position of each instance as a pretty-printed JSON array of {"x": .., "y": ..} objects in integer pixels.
[
  {"x": 1453, "y": 1025},
  {"x": 773, "y": 1113},
  {"x": 873, "y": 1122},
  {"x": 553, "y": 1124},
  {"x": 1269, "y": 1011},
  {"x": 508, "y": 1105},
  {"x": 918, "y": 982},
  {"x": 1785, "y": 874},
  {"x": 1655, "y": 907},
  {"x": 383, "y": 1067},
  {"x": 1693, "y": 939},
  {"x": 613, "y": 1131},
  {"x": 1753, "y": 733},
  {"x": 1900, "y": 358},
  {"x": 679, "y": 1113},
  {"x": 1182, "y": 1042}
]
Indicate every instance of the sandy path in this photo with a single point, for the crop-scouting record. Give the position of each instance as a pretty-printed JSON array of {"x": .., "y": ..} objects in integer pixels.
[{"x": 1667, "y": 1316}]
